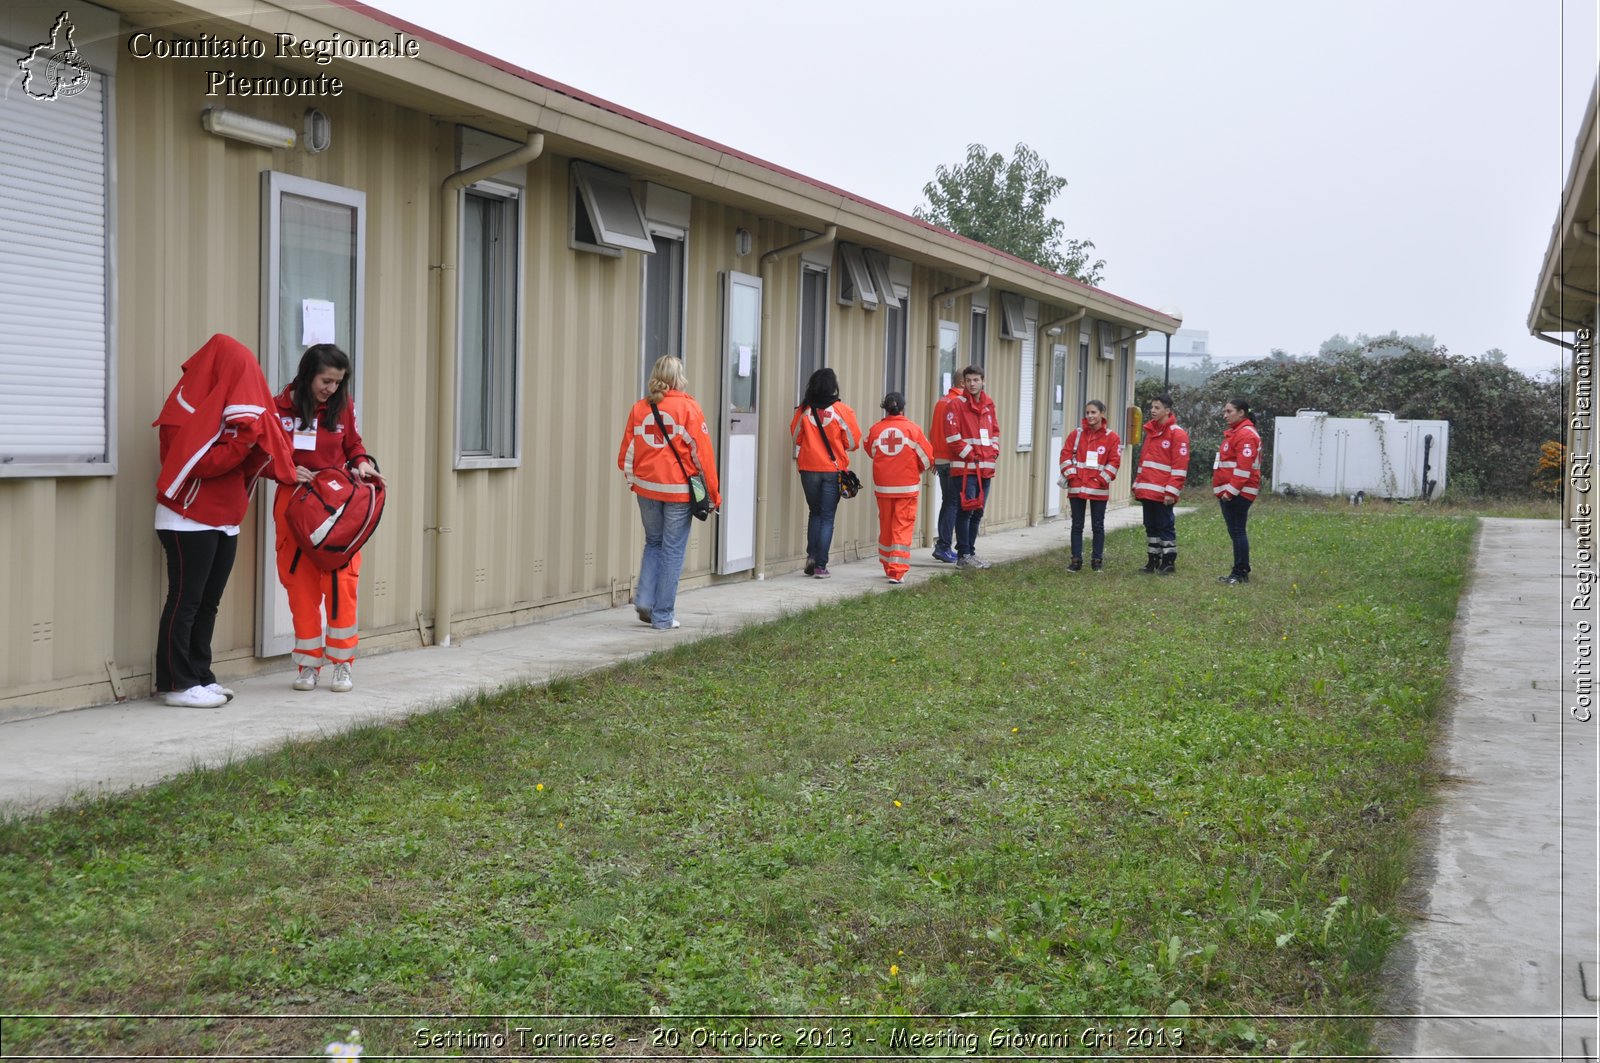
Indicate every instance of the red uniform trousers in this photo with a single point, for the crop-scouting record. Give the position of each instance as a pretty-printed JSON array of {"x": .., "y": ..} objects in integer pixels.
[
  {"x": 897, "y": 521},
  {"x": 311, "y": 591}
]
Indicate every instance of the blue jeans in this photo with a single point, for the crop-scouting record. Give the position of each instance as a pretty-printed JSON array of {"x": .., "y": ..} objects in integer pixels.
[
  {"x": 822, "y": 496},
  {"x": 967, "y": 519},
  {"x": 1235, "y": 513},
  {"x": 949, "y": 506},
  {"x": 666, "y": 537},
  {"x": 1097, "y": 519}
]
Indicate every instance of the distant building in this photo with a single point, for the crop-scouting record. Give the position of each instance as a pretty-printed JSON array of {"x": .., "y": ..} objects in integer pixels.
[{"x": 1186, "y": 343}]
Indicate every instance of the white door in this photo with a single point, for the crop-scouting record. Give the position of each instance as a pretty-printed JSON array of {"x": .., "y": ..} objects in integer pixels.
[
  {"x": 1058, "y": 428},
  {"x": 736, "y": 435},
  {"x": 312, "y": 245}
]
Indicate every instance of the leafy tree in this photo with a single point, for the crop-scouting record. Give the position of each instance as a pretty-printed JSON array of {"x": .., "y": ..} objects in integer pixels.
[
  {"x": 1003, "y": 204},
  {"x": 1389, "y": 345}
]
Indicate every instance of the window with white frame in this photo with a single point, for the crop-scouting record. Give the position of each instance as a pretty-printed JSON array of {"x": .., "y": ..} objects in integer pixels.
[
  {"x": 663, "y": 302},
  {"x": 56, "y": 219},
  {"x": 813, "y": 324},
  {"x": 980, "y": 338},
  {"x": 894, "y": 347},
  {"x": 949, "y": 350},
  {"x": 855, "y": 280},
  {"x": 605, "y": 215},
  {"x": 490, "y": 317}
]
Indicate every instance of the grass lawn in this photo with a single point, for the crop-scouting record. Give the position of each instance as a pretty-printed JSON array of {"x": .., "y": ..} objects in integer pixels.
[{"x": 1016, "y": 792}]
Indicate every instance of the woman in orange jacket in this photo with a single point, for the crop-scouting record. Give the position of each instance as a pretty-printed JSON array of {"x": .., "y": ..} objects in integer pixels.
[
  {"x": 825, "y": 430},
  {"x": 657, "y": 466},
  {"x": 317, "y": 412}
]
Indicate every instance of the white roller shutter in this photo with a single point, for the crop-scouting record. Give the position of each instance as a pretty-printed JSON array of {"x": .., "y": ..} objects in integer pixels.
[
  {"x": 54, "y": 342},
  {"x": 1025, "y": 399}
]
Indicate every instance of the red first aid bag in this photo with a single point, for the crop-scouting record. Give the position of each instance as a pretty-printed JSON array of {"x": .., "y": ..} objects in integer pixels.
[{"x": 333, "y": 515}]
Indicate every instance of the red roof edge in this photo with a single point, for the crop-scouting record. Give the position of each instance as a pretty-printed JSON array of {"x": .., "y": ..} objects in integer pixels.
[{"x": 524, "y": 74}]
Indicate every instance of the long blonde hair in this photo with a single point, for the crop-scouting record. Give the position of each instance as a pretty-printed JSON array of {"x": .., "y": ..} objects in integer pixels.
[{"x": 665, "y": 375}]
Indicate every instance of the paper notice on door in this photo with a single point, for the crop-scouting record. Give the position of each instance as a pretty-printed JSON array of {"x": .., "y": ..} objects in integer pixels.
[
  {"x": 316, "y": 322},
  {"x": 1058, "y": 394},
  {"x": 744, "y": 360},
  {"x": 946, "y": 384}
]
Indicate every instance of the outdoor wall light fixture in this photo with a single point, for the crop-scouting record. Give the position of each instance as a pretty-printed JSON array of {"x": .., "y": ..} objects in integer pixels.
[
  {"x": 319, "y": 131},
  {"x": 251, "y": 130},
  {"x": 741, "y": 242}
]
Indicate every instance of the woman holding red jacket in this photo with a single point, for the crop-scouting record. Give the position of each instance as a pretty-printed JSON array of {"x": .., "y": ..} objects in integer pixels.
[
  {"x": 317, "y": 413},
  {"x": 1089, "y": 462},
  {"x": 1236, "y": 480},
  {"x": 217, "y": 435}
]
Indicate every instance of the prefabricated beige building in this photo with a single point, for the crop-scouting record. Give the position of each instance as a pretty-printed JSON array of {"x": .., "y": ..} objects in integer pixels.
[{"x": 503, "y": 257}]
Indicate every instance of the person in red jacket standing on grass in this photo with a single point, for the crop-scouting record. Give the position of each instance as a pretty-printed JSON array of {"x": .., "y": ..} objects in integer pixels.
[
  {"x": 217, "y": 435},
  {"x": 1089, "y": 462},
  {"x": 1236, "y": 481},
  {"x": 1163, "y": 466},
  {"x": 900, "y": 455}
]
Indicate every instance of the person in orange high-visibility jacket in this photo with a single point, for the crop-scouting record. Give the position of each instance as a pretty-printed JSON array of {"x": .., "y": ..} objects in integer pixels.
[
  {"x": 1090, "y": 459},
  {"x": 900, "y": 455},
  {"x": 820, "y": 460},
  {"x": 318, "y": 415},
  {"x": 658, "y": 470},
  {"x": 1163, "y": 466},
  {"x": 1236, "y": 481}
]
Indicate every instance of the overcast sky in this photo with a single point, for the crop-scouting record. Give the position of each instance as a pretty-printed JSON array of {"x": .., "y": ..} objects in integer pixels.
[{"x": 1278, "y": 171}]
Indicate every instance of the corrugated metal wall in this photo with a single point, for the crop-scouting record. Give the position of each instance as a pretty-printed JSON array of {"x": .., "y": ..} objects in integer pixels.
[{"x": 561, "y": 531}]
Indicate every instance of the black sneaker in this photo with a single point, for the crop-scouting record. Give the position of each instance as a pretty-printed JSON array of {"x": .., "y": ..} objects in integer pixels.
[
  {"x": 811, "y": 567},
  {"x": 1234, "y": 578},
  {"x": 1097, "y": 564},
  {"x": 1075, "y": 565}
]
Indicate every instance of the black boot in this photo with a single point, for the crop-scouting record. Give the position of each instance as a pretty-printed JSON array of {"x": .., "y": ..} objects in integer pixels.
[
  {"x": 1075, "y": 565},
  {"x": 1169, "y": 564},
  {"x": 1152, "y": 564},
  {"x": 1097, "y": 564}
]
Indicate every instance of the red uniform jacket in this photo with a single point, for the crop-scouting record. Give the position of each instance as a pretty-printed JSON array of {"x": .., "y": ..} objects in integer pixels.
[
  {"x": 900, "y": 455},
  {"x": 1163, "y": 462},
  {"x": 844, "y": 432},
  {"x": 335, "y": 445},
  {"x": 1238, "y": 468},
  {"x": 1090, "y": 459},
  {"x": 943, "y": 452},
  {"x": 217, "y": 434},
  {"x": 650, "y": 468},
  {"x": 972, "y": 431}
]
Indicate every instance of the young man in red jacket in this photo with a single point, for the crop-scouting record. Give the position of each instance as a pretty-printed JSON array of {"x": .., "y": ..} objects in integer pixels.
[
  {"x": 1163, "y": 465},
  {"x": 972, "y": 430}
]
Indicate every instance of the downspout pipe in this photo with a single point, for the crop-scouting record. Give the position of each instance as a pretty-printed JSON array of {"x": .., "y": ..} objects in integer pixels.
[
  {"x": 768, "y": 260},
  {"x": 1558, "y": 343},
  {"x": 931, "y": 504},
  {"x": 1041, "y": 416},
  {"x": 445, "y": 383}
]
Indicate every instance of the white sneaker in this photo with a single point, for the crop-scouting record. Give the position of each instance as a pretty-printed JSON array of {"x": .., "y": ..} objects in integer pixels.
[
  {"x": 218, "y": 688},
  {"x": 307, "y": 679},
  {"x": 342, "y": 683},
  {"x": 195, "y": 697}
]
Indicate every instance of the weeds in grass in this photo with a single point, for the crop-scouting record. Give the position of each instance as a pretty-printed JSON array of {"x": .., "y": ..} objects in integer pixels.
[{"x": 1019, "y": 792}]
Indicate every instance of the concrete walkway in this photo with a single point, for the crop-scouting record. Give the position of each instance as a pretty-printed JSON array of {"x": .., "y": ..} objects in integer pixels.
[
  {"x": 54, "y": 759},
  {"x": 1508, "y": 892},
  {"x": 1502, "y": 962}
]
